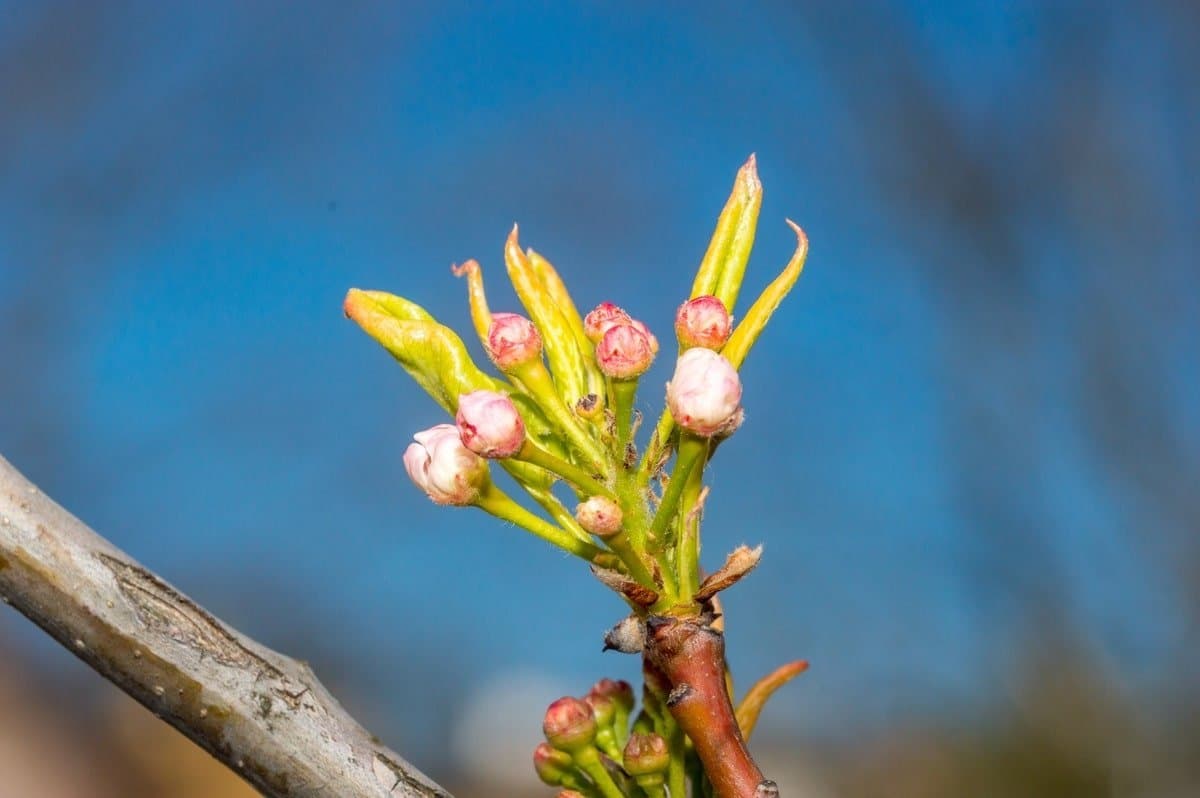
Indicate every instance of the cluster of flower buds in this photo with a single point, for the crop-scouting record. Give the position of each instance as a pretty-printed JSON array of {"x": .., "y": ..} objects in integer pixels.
[
  {"x": 625, "y": 347},
  {"x": 447, "y": 461},
  {"x": 591, "y": 749},
  {"x": 564, "y": 407},
  {"x": 563, "y": 410}
]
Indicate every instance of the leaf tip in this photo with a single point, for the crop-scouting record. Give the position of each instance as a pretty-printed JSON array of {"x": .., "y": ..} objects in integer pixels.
[
  {"x": 747, "y": 176},
  {"x": 352, "y": 305},
  {"x": 801, "y": 236}
]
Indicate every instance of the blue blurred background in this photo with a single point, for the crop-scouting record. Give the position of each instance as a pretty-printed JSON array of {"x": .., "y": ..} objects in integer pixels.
[{"x": 972, "y": 445}]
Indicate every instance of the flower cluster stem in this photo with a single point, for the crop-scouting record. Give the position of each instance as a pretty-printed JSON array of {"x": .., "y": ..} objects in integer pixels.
[
  {"x": 585, "y": 482},
  {"x": 687, "y": 556},
  {"x": 621, "y": 546},
  {"x": 676, "y": 774},
  {"x": 499, "y": 504},
  {"x": 537, "y": 381},
  {"x": 692, "y": 450},
  {"x": 588, "y": 760},
  {"x": 624, "y": 393}
]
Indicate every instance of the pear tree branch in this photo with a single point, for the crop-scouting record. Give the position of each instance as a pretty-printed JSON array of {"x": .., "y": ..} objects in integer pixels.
[{"x": 262, "y": 714}]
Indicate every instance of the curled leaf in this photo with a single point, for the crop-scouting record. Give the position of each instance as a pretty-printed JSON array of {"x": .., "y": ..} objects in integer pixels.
[
  {"x": 756, "y": 697},
  {"x": 747, "y": 332},
  {"x": 481, "y": 317},
  {"x": 724, "y": 262},
  {"x": 431, "y": 353},
  {"x": 740, "y": 562},
  {"x": 563, "y": 356}
]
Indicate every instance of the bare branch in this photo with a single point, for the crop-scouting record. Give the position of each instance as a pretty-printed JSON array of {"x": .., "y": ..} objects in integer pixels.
[{"x": 260, "y": 713}]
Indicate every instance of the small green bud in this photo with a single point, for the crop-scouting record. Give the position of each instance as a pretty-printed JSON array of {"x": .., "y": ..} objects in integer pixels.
[
  {"x": 603, "y": 708},
  {"x": 569, "y": 724},
  {"x": 552, "y": 765}
]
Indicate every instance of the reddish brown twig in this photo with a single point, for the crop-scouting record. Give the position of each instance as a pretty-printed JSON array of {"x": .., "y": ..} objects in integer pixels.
[{"x": 691, "y": 654}]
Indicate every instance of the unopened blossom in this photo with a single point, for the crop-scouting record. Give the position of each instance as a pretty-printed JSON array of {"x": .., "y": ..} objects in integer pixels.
[
  {"x": 705, "y": 394},
  {"x": 513, "y": 341},
  {"x": 489, "y": 424},
  {"x": 440, "y": 465},
  {"x": 599, "y": 515},
  {"x": 625, "y": 351},
  {"x": 646, "y": 754},
  {"x": 703, "y": 321},
  {"x": 603, "y": 317},
  {"x": 569, "y": 724}
]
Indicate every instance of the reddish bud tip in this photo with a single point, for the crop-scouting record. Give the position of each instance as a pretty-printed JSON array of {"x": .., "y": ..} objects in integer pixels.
[
  {"x": 626, "y": 351},
  {"x": 570, "y": 794},
  {"x": 618, "y": 690},
  {"x": 489, "y": 424},
  {"x": 569, "y": 724},
  {"x": 703, "y": 321},
  {"x": 644, "y": 330},
  {"x": 603, "y": 317},
  {"x": 551, "y": 764},
  {"x": 646, "y": 754},
  {"x": 513, "y": 341},
  {"x": 600, "y": 516}
]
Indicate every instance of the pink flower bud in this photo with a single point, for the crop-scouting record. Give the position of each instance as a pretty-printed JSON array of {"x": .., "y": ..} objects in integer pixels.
[
  {"x": 603, "y": 317},
  {"x": 440, "y": 465},
  {"x": 705, "y": 395},
  {"x": 703, "y": 321},
  {"x": 646, "y": 754},
  {"x": 489, "y": 424},
  {"x": 513, "y": 341},
  {"x": 569, "y": 724},
  {"x": 600, "y": 516},
  {"x": 625, "y": 351},
  {"x": 644, "y": 330}
]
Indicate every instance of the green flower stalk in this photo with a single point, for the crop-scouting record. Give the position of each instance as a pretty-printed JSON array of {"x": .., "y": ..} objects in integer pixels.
[{"x": 560, "y": 418}]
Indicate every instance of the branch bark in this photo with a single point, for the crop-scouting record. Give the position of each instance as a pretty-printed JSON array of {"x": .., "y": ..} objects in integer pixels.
[{"x": 262, "y": 714}]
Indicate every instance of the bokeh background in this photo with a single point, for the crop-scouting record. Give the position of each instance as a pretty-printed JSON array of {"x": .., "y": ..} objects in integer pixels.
[{"x": 972, "y": 445}]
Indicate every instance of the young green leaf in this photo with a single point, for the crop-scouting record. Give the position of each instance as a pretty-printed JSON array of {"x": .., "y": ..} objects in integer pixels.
[
  {"x": 724, "y": 263},
  {"x": 563, "y": 356},
  {"x": 747, "y": 332},
  {"x": 431, "y": 353}
]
